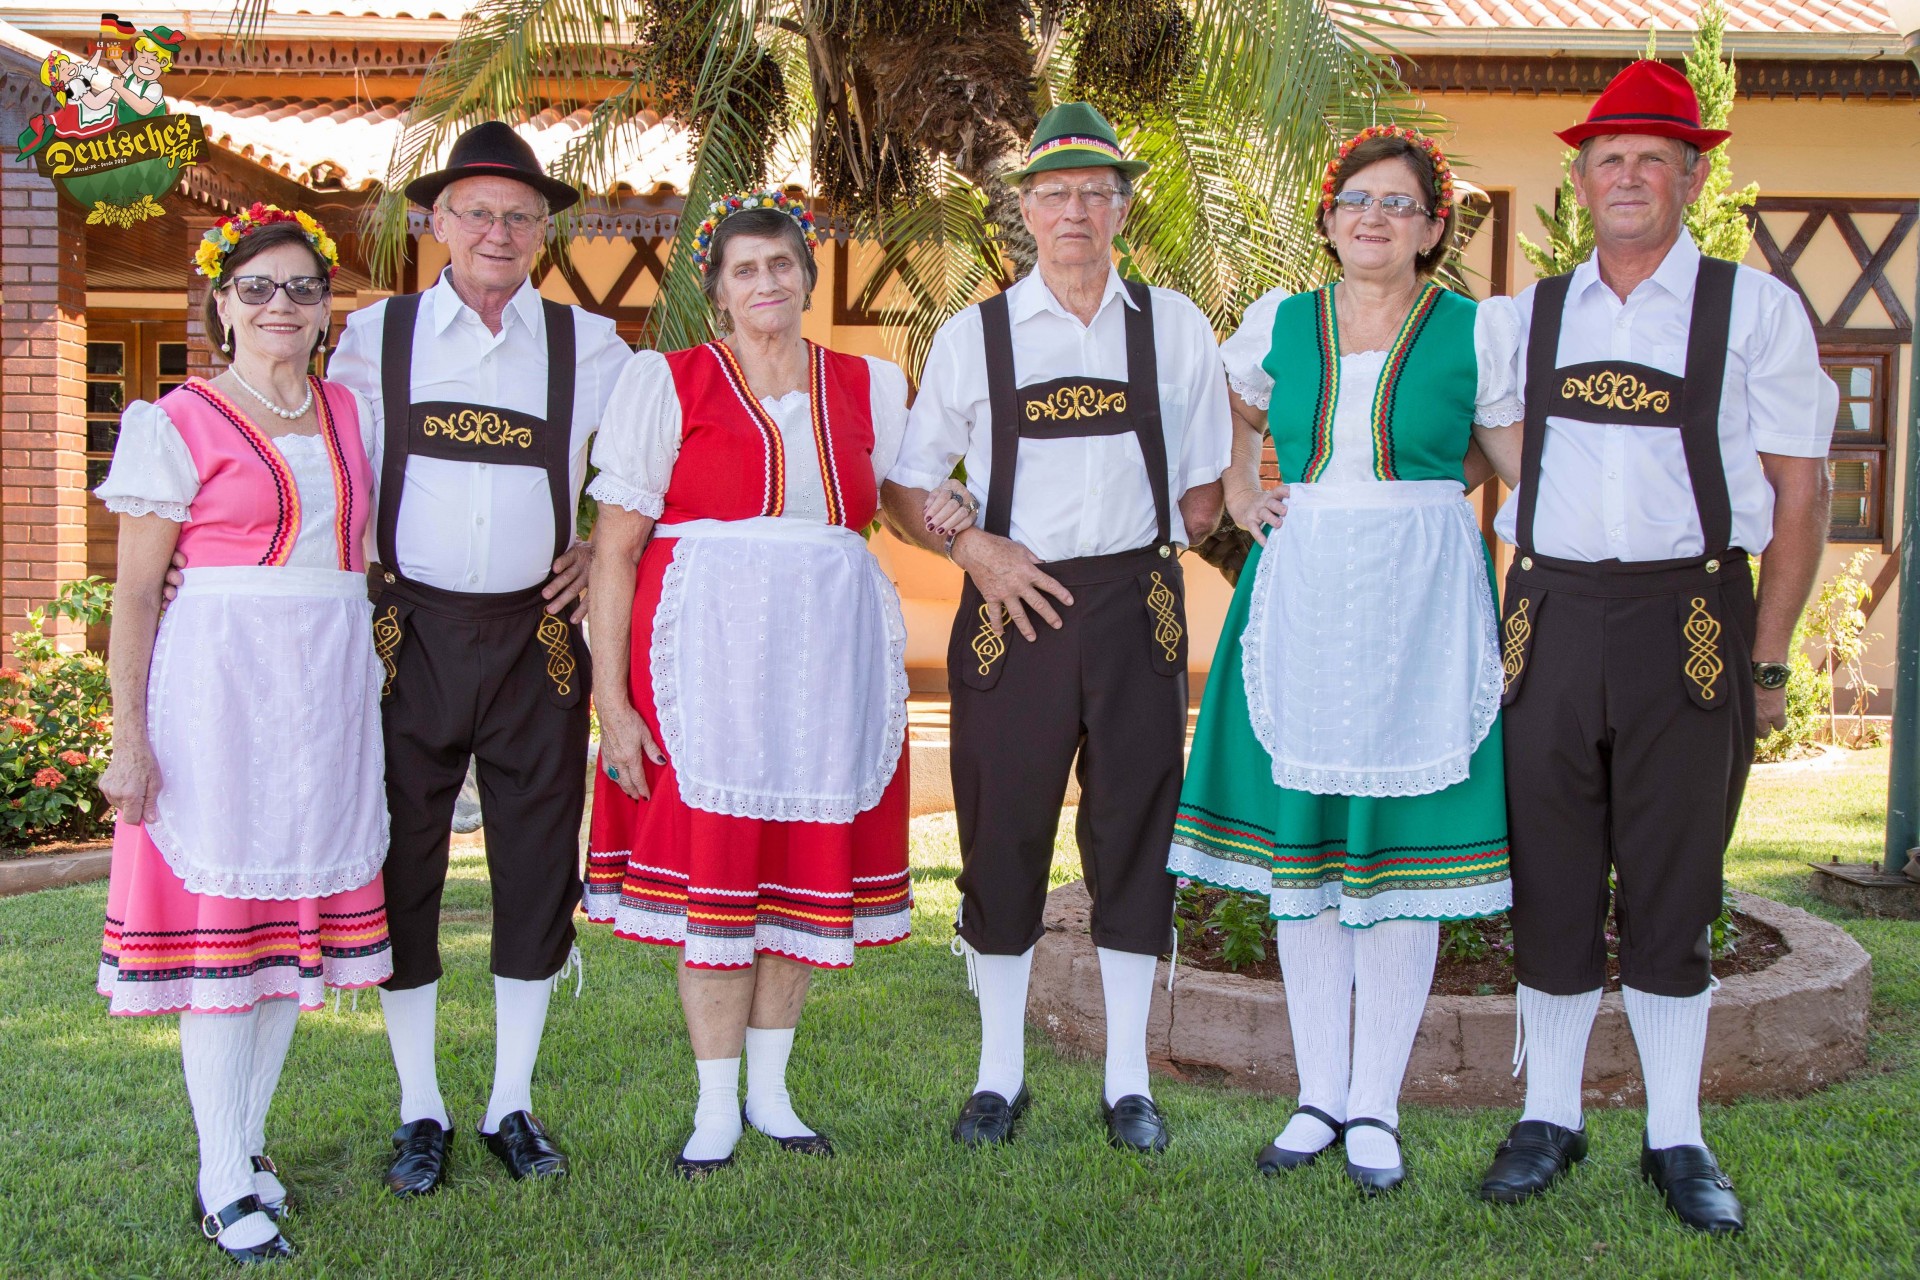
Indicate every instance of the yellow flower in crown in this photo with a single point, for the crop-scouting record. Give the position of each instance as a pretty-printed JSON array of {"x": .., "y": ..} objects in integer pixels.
[{"x": 221, "y": 238}]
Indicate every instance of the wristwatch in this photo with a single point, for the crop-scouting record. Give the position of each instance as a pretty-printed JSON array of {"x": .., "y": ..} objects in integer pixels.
[{"x": 1771, "y": 675}]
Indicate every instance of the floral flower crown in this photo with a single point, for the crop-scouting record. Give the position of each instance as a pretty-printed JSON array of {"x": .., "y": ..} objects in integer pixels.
[
  {"x": 1442, "y": 171},
  {"x": 210, "y": 258},
  {"x": 720, "y": 210}
]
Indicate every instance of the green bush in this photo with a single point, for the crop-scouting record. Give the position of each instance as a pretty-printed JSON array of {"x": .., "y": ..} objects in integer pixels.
[{"x": 55, "y": 727}]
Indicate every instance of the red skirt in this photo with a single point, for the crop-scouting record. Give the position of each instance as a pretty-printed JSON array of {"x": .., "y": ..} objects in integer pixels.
[
  {"x": 726, "y": 888},
  {"x": 169, "y": 950}
]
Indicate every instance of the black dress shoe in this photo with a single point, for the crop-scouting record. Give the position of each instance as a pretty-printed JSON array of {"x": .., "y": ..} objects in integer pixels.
[
  {"x": 987, "y": 1118},
  {"x": 1375, "y": 1182},
  {"x": 276, "y": 1209},
  {"x": 421, "y": 1165},
  {"x": 1699, "y": 1194},
  {"x": 813, "y": 1144},
  {"x": 212, "y": 1224},
  {"x": 1274, "y": 1158},
  {"x": 522, "y": 1144},
  {"x": 1135, "y": 1124},
  {"x": 1533, "y": 1155}
]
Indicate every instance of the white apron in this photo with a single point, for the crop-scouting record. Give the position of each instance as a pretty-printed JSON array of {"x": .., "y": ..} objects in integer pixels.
[
  {"x": 263, "y": 707},
  {"x": 779, "y": 669},
  {"x": 1369, "y": 657}
]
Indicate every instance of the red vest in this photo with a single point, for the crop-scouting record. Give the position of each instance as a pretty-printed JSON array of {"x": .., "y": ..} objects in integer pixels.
[
  {"x": 248, "y": 511},
  {"x": 732, "y": 462}
]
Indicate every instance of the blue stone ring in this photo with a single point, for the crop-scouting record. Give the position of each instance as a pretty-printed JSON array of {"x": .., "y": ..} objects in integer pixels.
[{"x": 613, "y": 773}]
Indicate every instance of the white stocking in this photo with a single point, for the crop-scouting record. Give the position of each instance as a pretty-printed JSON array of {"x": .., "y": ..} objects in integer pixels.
[
  {"x": 1555, "y": 1029},
  {"x": 1671, "y": 1033},
  {"x": 519, "y": 1019},
  {"x": 1392, "y": 973},
  {"x": 216, "y": 1053},
  {"x": 1126, "y": 980},
  {"x": 1002, "y": 981},
  {"x": 410, "y": 1017},
  {"x": 716, "y": 1118},
  {"x": 1316, "y": 965},
  {"x": 768, "y": 1104},
  {"x": 274, "y": 1022}
]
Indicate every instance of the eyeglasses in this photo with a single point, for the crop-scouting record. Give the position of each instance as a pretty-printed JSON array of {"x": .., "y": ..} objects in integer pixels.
[
  {"x": 258, "y": 291},
  {"x": 480, "y": 221},
  {"x": 1093, "y": 197},
  {"x": 1392, "y": 206}
]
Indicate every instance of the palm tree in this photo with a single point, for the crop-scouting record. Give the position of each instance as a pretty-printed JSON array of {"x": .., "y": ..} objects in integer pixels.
[{"x": 906, "y": 110}]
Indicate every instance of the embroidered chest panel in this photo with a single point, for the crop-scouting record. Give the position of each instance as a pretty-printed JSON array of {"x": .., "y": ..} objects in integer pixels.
[
  {"x": 475, "y": 433},
  {"x": 1060, "y": 408},
  {"x": 1617, "y": 392}
]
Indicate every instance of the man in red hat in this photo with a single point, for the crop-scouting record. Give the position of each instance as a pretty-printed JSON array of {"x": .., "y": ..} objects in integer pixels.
[
  {"x": 1672, "y": 420},
  {"x": 488, "y": 396}
]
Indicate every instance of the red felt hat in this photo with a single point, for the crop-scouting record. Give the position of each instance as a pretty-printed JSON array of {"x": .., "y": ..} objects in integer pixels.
[{"x": 1647, "y": 97}]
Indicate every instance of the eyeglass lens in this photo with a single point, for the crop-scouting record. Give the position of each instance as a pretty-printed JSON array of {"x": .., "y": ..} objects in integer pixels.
[{"x": 255, "y": 290}]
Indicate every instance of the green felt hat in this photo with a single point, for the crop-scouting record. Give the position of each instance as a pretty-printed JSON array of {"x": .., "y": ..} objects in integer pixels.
[
  {"x": 1074, "y": 136},
  {"x": 167, "y": 38}
]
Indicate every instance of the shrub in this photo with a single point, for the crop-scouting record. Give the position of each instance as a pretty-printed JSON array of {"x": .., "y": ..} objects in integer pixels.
[{"x": 55, "y": 727}]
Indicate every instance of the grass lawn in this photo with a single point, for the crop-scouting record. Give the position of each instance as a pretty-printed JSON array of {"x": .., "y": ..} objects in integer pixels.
[{"x": 97, "y": 1153}]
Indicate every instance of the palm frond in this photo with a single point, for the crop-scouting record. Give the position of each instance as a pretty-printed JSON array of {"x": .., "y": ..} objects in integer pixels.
[{"x": 938, "y": 257}]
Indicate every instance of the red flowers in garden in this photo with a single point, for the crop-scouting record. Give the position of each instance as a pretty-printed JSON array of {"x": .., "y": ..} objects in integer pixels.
[
  {"x": 49, "y": 777},
  {"x": 73, "y": 759}
]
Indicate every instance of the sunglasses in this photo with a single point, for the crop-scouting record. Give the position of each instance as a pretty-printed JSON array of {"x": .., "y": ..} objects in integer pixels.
[{"x": 257, "y": 291}]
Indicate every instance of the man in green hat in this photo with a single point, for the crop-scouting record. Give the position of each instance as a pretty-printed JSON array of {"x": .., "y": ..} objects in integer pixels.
[
  {"x": 1105, "y": 399},
  {"x": 139, "y": 87}
]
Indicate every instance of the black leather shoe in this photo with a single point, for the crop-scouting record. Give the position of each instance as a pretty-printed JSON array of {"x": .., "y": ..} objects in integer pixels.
[
  {"x": 421, "y": 1165},
  {"x": 812, "y": 1145},
  {"x": 522, "y": 1144},
  {"x": 212, "y": 1224},
  {"x": 1135, "y": 1124},
  {"x": 1274, "y": 1158},
  {"x": 987, "y": 1118},
  {"x": 1699, "y": 1194},
  {"x": 276, "y": 1209},
  {"x": 1531, "y": 1158},
  {"x": 697, "y": 1170},
  {"x": 1375, "y": 1182}
]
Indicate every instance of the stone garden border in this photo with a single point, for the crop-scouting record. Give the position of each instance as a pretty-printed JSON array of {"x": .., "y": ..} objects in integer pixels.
[
  {"x": 73, "y": 865},
  {"x": 1788, "y": 1030}
]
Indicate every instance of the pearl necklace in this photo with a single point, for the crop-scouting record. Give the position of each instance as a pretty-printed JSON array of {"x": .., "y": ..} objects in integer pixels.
[{"x": 288, "y": 414}]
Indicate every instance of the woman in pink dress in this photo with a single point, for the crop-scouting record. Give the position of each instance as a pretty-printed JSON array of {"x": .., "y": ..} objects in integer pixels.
[{"x": 247, "y": 761}]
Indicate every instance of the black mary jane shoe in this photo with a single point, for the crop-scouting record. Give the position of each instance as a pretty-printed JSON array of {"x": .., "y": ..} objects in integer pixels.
[
  {"x": 1135, "y": 1124},
  {"x": 813, "y": 1144},
  {"x": 1375, "y": 1182},
  {"x": 1699, "y": 1194},
  {"x": 986, "y": 1119},
  {"x": 1532, "y": 1157},
  {"x": 1276, "y": 1159},
  {"x": 699, "y": 1170},
  {"x": 522, "y": 1145},
  {"x": 275, "y": 1209},
  {"x": 420, "y": 1165},
  {"x": 212, "y": 1224}
]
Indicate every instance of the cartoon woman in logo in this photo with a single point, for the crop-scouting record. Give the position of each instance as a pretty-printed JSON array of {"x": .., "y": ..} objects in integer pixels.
[
  {"x": 139, "y": 88},
  {"x": 83, "y": 93}
]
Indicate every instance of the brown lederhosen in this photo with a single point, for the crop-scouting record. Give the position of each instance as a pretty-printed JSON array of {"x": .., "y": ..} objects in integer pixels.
[
  {"x": 1111, "y": 684},
  {"x": 487, "y": 675},
  {"x": 1629, "y": 708}
]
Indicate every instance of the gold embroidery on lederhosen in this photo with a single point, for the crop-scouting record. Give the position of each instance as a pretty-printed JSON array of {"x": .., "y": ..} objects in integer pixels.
[
  {"x": 1513, "y": 649},
  {"x": 1076, "y": 402},
  {"x": 477, "y": 426},
  {"x": 1702, "y": 634},
  {"x": 1166, "y": 626},
  {"x": 386, "y": 642},
  {"x": 555, "y": 636},
  {"x": 1612, "y": 390},
  {"x": 987, "y": 645}
]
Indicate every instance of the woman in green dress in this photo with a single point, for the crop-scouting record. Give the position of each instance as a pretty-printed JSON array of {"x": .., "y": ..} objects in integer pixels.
[{"x": 1347, "y": 761}]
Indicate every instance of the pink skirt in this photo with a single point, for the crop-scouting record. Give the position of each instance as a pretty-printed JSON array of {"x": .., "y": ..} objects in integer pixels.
[{"x": 168, "y": 950}]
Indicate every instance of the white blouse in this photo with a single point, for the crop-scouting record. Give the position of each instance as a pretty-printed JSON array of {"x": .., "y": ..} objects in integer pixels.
[
  {"x": 639, "y": 439},
  {"x": 153, "y": 474}
]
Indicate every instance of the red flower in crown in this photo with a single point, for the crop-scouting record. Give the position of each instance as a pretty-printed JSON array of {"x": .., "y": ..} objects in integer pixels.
[{"x": 1442, "y": 171}]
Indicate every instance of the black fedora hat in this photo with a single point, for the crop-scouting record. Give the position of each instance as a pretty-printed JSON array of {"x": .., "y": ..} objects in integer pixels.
[{"x": 492, "y": 149}]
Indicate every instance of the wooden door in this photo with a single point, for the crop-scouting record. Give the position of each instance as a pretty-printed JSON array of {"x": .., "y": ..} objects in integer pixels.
[{"x": 130, "y": 357}]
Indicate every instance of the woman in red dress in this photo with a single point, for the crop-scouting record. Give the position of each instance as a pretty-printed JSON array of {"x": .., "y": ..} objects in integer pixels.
[{"x": 751, "y": 805}]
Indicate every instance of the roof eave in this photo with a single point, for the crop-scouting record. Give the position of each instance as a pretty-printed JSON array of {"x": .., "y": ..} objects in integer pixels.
[{"x": 1613, "y": 43}]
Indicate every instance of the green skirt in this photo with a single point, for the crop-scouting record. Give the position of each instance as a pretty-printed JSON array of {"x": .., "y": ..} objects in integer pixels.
[{"x": 1440, "y": 856}]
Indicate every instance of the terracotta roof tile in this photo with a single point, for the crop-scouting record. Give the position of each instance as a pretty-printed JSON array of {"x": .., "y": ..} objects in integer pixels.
[{"x": 1849, "y": 17}]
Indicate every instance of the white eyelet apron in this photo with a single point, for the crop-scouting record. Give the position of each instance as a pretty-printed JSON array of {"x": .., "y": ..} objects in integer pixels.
[
  {"x": 1369, "y": 655},
  {"x": 779, "y": 669}
]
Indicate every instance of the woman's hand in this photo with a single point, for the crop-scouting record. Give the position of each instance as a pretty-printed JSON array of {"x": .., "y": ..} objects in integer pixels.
[
  {"x": 950, "y": 509},
  {"x": 131, "y": 782},
  {"x": 624, "y": 743},
  {"x": 1252, "y": 511}
]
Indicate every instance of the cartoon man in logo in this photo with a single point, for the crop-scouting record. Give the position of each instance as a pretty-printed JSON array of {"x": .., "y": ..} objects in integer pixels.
[{"x": 139, "y": 87}]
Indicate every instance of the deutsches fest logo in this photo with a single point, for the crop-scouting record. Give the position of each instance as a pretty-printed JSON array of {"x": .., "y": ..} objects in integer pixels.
[{"x": 109, "y": 143}]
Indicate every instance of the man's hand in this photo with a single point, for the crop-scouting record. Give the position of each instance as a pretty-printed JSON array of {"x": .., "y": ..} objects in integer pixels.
[
  {"x": 1770, "y": 711},
  {"x": 1256, "y": 510},
  {"x": 175, "y": 576},
  {"x": 1010, "y": 581},
  {"x": 570, "y": 580}
]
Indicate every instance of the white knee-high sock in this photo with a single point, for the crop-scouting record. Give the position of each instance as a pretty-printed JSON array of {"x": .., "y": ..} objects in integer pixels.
[
  {"x": 410, "y": 1017},
  {"x": 274, "y": 1022},
  {"x": 1126, "y": 981},
  {"x": 519, "y": 1019},
  {"x": 216, "y": 1053},
  {"x": 1002, "y": 983},
  {"x": 1671, "y": 1033},
  {"x": 1555, "y": 1030},
  {"x": 768, "y": 1104},
  {"x": 716, "y": 1117},
  {"x": 1316, "y": 965},
  {"x": 1392, "y": 973}
]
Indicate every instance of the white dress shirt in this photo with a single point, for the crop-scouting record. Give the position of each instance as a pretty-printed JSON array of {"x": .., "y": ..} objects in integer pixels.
[
  {"x": 1622, "y": 492},
  {"x": 1089, "y": 495},
  {"x": 477, "y": 526}
]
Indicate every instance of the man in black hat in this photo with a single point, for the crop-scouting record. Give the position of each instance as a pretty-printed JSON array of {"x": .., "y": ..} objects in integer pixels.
[{"x": 488, "y": 396}]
